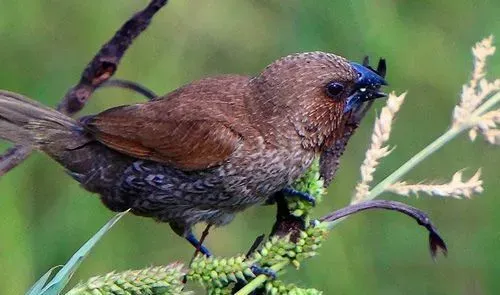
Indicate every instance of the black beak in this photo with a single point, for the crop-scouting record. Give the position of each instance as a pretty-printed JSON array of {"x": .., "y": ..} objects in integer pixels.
[{"x": 368, "y": 84}]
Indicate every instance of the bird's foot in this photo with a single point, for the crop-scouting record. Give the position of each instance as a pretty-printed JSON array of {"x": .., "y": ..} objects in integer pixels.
[
  {"x": 291, "y": 192},
  {"x": 190, "y": 237},
  {"x": 259, "y": 270},
  {"x": 314, "y": 222}
]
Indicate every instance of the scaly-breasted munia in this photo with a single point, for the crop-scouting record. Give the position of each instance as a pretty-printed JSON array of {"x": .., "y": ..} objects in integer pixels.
[{"x": 208, "y": 149}]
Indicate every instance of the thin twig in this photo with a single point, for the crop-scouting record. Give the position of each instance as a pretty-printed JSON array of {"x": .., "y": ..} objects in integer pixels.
[
  {"x": 13, "y": 157},
  {"x": 136, "y": 87},
  {"x": 204, "y": 235},
  {"x": 258, "y": 241},
  {"x": 100, "y": 69}
]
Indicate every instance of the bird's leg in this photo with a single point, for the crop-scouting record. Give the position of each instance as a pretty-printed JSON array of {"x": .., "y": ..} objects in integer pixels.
[
  {"x": 186, "y": 232},
  {"x": 191, "y": 238},
  {"x": 291, "y": 192},
  {"x": 204, "y": 234},
  {"x": 198, "y": 244}
]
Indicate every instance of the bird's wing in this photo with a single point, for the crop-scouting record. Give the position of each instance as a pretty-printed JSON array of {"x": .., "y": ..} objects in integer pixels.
[{"x": 188, "y": 138}]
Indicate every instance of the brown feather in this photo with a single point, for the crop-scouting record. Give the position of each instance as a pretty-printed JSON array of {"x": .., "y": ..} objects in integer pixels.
[{"x": 195, "y": 127}]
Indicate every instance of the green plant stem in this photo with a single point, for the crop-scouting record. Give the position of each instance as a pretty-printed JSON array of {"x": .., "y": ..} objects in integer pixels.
[
  {"x": 406, "y": 167},
  {"x": 414, "y": 161},
  {"x": 261, "y": 279}
]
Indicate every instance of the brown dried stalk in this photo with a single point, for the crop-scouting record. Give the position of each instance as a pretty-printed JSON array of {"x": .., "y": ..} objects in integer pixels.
[
  {"x": 100, "y": 69},
  {"x": 436, "y": 242}
]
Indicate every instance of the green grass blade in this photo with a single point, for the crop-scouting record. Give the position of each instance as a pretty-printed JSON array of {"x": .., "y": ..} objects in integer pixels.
[
  {"x": 57, "y": 284},
  {"x": 38, "y": 286}
]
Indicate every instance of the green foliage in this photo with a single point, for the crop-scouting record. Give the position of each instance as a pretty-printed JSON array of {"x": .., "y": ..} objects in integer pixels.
[
  {"x": 276, "y": 287},
  {"x": 310, "y": 183},
  {"x": 218, "y": 273},
  {"x": 158, "y": 280},
  {"x": 61, "y": 279},
  {"x": 38, "y": 286},
  {"x": 278, "y": 249}
]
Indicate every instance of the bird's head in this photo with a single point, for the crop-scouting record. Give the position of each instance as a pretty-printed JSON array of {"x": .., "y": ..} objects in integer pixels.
[{"x": 315, "y": 91}]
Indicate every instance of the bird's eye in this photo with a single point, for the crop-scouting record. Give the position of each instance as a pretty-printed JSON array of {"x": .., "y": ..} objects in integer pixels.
[{"x": 333, "y": 89}]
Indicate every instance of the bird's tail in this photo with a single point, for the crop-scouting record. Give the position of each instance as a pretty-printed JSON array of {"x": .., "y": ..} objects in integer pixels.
[{"x": 27, "y": 122}]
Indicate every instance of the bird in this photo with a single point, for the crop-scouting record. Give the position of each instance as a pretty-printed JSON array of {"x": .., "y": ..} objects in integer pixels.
[{"x": 208, "y": 149}]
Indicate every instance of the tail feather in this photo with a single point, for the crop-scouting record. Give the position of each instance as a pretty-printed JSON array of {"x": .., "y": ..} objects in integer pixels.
[
  {"x": 27, "y": 122},
  {"x": 13, "y": 133}
]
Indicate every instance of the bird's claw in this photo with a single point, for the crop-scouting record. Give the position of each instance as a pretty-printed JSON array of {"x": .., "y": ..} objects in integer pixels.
[
  {"x": 258, "y": 270},
  {"x": 291, "y": 192},
  {"x": 314, "y": 223}
]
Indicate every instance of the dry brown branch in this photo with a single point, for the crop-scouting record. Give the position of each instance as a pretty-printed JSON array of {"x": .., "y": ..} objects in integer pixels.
[{"x": 100, "y": 69}]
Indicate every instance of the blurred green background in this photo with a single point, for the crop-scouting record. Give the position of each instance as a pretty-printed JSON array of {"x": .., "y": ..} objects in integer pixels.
[{"x": 45, "y": 216}]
